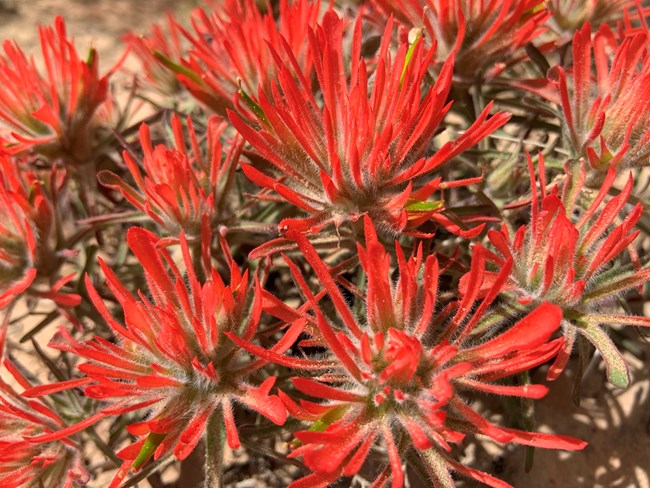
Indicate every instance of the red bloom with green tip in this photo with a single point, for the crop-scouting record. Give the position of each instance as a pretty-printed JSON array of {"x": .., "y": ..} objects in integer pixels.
[
  {"x": 575, "y": 265},
  {"x": 404, "y": 371},
  {"x": 172, "y": 360},
  {"x": 362, "y": 145}
]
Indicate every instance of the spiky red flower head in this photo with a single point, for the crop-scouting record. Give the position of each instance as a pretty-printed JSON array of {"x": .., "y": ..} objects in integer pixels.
[
  {"x": 24, "y": 463},
  {"x": 358, "y": 146},
  {"x": 184, "y": 187},
  {"x": 154, "y": 51},
  {"x": 26, "y": 224},
  {"x": 172, "y": 358},
  {"x": 484, "y": 35},
  {"x": 606, "y": 113},
  {"x": 230, "y": 48},
  {"x": 571, "y": 15},
  {"x": 402, "y": 368},
  {"x": 575, "y": 264},
  {"x": 51, "y": 111}
]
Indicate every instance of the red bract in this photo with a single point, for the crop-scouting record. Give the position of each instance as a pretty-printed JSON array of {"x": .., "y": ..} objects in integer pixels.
[
  {"x": 171, "y": 359},
  {"x": 575, "y": 265},
  {"x": 402, "y": 368},
  {"x": 154, "y": 51},
  {"x": 606, "y": 116},
  {"x": 183, "y": 186},
  {"x": 23, "y": 463},
  {"x": 51, "y": 112},
  {"x": 230, "y": 48},
  {"x": 484, "y": 35},
  {"x": 364, "y": 148},
  {"x": 25, "y": 231},
  {"x": 570, "y": 15}
]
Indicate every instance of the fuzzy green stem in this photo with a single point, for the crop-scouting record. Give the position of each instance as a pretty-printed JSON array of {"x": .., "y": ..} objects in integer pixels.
[
  {"x": 528, "y": 421},
  {"x": 214, "y": 444},
  {"x": 436, "y": 468}
]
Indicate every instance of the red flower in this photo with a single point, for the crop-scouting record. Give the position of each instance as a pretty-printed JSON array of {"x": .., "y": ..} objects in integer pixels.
[
  {"x": 575, "y": 265},
  {"x": 155, "y": 51},
  {"x": 26, "y": 225},
  {"x": 55, "y": 464},
  {"x": 51, "y": 112},
  {"x": 606, "y": 116},
  {"x": 230, "y": 48},
  {"x": 171, "y": 359},
  {"x": 484, "y": 35},
  {"x": 182, "y": 186},
  {"x": 363, "y": 149},
  {"x": 401, "y": 369}
]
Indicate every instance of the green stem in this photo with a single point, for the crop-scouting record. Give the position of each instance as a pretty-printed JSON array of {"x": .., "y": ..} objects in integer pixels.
[
  {"x": 436, "y": 468},
  {"x": 214, "y": 451},
  {"x": 528, "y": 421}
]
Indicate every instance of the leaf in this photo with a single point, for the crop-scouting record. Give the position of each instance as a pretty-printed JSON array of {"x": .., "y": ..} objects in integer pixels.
[
  {"x": 253, "y": 105},
  {"x": 617, "y": 371},
  {"x": 423, "y": 206},
  {"x": 177, "y": 68},
  {"x": 153, "y": 441}
]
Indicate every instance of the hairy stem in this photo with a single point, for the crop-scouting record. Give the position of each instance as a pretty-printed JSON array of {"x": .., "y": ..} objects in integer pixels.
[
  {"x": 436, "y": 468},
  {"x": 214, "y": 451}
]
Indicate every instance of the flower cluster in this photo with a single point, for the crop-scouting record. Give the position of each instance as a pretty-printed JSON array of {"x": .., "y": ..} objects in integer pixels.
[
  {"x": 229, "y": 49},
  {"x": 26, "y": 248},
  {"x": 364, "y": 150},
  {"x": 172, "y": 358},
  {"x": 51, "y": 112},
  {"x": 606, "y": 113},
  {"x": 400, "y": 374},
  {"x": 323, "y": 239},
  {"x": 183, "y": 188},
  {"x": 154, "y": 51},
  {"x": 574, "y": 264},
  {"x": 23, "y": 462}
]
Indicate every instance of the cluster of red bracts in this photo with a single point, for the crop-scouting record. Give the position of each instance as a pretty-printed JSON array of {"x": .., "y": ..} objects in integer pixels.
[
  {"x": 382, "y": 352},
  {"x": 388, "y": 376}
]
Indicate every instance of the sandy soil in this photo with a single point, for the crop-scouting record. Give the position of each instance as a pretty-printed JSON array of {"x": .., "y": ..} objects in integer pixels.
[{"x": 97, "y": 22}]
